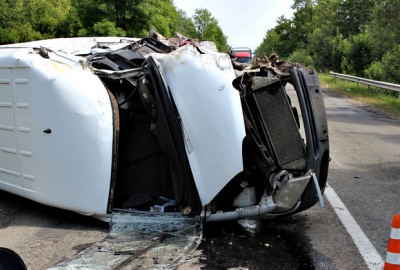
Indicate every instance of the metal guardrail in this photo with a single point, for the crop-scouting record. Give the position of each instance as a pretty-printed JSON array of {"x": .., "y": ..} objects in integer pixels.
[{"x": 379, "y": 84}]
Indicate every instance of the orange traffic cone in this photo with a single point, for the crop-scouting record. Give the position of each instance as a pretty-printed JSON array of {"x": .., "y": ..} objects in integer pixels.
[{"x": 393, "y": 252}]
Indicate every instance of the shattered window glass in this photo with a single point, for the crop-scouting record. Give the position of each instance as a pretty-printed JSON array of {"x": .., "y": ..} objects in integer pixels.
[{"x": 141, "y": 241}]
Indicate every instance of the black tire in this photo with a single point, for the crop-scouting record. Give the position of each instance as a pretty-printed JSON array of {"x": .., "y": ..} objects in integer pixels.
[{"x": 10, "y": 260}]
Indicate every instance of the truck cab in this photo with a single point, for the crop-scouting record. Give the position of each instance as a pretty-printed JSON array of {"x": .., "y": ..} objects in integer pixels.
[{"x": 242, "y": 54}]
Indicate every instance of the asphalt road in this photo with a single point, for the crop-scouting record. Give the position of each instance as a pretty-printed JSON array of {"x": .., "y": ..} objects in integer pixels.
[
  {"x": 364, "y": 172},
  {"x": 365, "y": 168}
]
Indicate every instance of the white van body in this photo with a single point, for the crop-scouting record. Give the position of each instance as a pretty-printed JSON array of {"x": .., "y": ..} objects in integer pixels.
[
  {"x": 157, "y": 136},
  {"x": 93, "y": 125},
  {"x": 56, "y": 131}
]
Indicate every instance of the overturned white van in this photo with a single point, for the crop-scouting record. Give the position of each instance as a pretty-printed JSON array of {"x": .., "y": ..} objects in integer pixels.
[
  {"x": 158, "y": 135},
  {"x": 99, "y": 125}
]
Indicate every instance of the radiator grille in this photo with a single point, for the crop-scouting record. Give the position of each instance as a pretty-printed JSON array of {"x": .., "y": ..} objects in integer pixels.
[{"x": 279, "y": 125}]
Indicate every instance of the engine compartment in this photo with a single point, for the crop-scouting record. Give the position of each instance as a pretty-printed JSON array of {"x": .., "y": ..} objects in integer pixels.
[{"x": 282, "y": 150}]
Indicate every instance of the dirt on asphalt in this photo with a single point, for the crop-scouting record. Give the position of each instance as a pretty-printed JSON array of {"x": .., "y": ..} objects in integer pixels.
[{"x": 43, "y": 235}]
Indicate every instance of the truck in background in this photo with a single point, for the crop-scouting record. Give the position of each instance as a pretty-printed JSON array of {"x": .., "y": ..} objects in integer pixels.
[{"x": 242, "y": 54}]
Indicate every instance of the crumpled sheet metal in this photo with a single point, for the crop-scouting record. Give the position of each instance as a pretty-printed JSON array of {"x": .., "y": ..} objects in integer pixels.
[
  {"x": 171, "y": 238},
  {"x": 272, "y": 63}
]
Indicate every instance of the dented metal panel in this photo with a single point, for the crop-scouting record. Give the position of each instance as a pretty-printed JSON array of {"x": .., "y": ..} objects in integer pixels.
[{"x": 211, "y": 114}]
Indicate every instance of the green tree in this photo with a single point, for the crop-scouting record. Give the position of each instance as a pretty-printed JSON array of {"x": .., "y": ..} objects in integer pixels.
[
  {"x": 376, "y": 71},
  {"x": 320, "y": 47},
  {"x": 303, "y": 22},
  {"x": 337, "y": 53},
  {"x": 45, "y": 15},
  {"x": 135, "y": 17},
  {"x": 356, "y": 54},
  {"x": 68, "y": 26},
  {"x": 385, "y": 26},
  {"x": 26, "y": 20},
  {"x": 301, "y": 56},
  {"x": 107, "y": 28},
  {"x": 270, "y": 44},
  {"x": 287, "y": 43},
  {"x": 94, "y": 12},
  {"x": 160, "y": 15},
  {"x": 322, "y": 29},
  {"x": 290, "y": 34},
  {"x": 207, "y": 28},
  {"x": 388, "y": 69},
  {"x": 185, "y": 25},
  {"x": 352, "y": 16}
]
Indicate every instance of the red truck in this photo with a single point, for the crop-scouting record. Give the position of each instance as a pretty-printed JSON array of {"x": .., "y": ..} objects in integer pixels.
[{"x": 242, "y": 54}]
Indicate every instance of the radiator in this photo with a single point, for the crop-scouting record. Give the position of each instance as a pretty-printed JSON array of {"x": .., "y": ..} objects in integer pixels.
[{"x": 272, "y": 115}]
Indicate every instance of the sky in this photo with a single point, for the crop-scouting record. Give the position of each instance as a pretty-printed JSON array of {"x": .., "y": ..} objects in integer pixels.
[{"x": 245, "y": 23}]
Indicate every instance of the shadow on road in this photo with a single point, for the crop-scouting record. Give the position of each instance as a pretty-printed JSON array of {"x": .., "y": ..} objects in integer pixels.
[{"x": 269, "y": 244}]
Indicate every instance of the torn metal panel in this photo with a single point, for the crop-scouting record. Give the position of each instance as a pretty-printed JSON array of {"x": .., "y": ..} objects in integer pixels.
[
  {"x": 211, "y": 115},
  {"x": 121, "y": 74},
  {"x": 79, "y": 45},
  {"x": 140, "y": 241}
]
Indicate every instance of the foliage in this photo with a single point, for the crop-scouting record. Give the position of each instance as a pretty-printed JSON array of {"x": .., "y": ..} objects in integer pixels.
[
  {"x": 26, "y": 20},
  {"x": 352, "y": 16},
  {"x": 134, "y": 17},
  {"x": 385, "y": 26},
  {"x": 23, "y": 20},
  {"x": 160, "y": 15},
  {"x": 358, "y": 37},
  {"x": 207, "y": 28},
  {"x": 320, "y": 47},
  {"x": 185, "y": 25},
  {"x": 356, "y": 54},
  {"x": 269, "y": 45},
  {"x": 301, "y": 56},
  {"x": 107, "y": 28},
  {"x": 391, "y": 64},
  {"x": 376, "y": 71}
]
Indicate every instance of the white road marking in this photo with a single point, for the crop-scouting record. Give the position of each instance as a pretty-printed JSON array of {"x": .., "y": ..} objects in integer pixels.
[{"x": 370, "y": 255}]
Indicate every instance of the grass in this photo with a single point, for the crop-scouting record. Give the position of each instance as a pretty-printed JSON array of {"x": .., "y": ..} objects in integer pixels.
[{"x": 384, "y": 99}]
